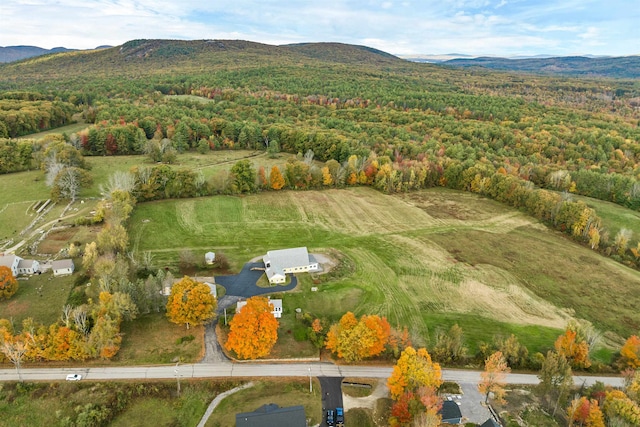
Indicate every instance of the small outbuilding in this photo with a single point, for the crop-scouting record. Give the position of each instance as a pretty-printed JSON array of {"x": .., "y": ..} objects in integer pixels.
[
  {"x": 490, "y": 423},
  {"x": 273, "y": 415},
  {"x": 210, "y": 257},
  {"x": 62, "y": 267},
  {"x": 276, "y": 303}
]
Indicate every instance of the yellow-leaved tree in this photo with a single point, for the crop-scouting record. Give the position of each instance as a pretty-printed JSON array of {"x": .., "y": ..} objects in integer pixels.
[
  {"x": 254, "y": 330},
  {"x": 492, "y": 379},
  {"x": 630, "y": 352},
  {"x": 191, "y": 303},
  {"x": 353, "y": 339},
  {"x": 413, "y": 384}
]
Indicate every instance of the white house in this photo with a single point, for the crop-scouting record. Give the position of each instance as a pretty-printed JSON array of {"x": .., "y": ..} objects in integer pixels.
[
  {"x": 210, "y": 257},
  {"x": 28, "y": 266},
  {"x": 62, "y": 267},
  {"x": 277, "y": 307},
  {"x": 12, "y": 262},
  {"x": 288, "y": 261},
  {"x": 214, "y": 290}
]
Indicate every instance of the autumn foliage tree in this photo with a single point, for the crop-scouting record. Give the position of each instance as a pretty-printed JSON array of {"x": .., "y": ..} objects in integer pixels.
[
  {"x": 276, "y": 180},
  {"x": 630, "y": 352},
  {"x": 492, "y": 379},
  {"x": 353, "y": 339},
  {"x": 574, "y": 348},
  {"x": 191, "y": 303},
  {"x": 618, "y": 406},
  {"x": 585, "y": 413},
  {"x": 413, "y": 385},
  {"x": 253, "y": 330},
  {"x": 8, "y": 283}
]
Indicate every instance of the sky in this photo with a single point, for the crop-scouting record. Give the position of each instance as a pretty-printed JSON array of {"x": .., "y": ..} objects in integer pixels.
[{"x": 409, "y": 27}]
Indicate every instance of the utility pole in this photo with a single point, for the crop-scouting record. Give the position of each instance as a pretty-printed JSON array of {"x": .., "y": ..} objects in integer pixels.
[
  {"x": 310, "y": 385},
  {"x": 177, "y": 376}
]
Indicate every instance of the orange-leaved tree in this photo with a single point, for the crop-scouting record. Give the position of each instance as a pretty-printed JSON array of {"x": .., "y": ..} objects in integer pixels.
[
  {"x": 191, "y": 303},
  {"x": 276, "y": 179},
  {"x": 415, "y": 378},
  {"x": 8, "y": 283},
  {"x": 492, "y": 379},
  {"x": 254, "y": 330},
  {"x": 353, "y": 339},
  {"x": 573, "y": 348},
  {"x": 630, "y": 352}
]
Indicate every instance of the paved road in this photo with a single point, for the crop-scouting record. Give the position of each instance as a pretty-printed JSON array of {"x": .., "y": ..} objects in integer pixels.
[
  {"x": 247, "y": 370},
  {"x": 331, "y": 396},
  {"x": 244, "y": 285}
]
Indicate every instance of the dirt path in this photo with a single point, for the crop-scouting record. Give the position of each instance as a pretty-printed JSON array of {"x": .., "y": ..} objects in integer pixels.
[
  {"x": 379, "y": 392},
  {"x": 215, "y": 402}
]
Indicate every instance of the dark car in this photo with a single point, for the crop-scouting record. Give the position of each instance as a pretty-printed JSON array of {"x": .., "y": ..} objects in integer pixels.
[
  {"x": 331, "y": 419},
  {"x": 339, "y": 417}
]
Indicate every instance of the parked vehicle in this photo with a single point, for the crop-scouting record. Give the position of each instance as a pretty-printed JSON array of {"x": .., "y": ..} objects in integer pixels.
[
  {"x": 339, "y": 417},
  {"x": 74, "y": 377},
  {"x": 331, "y": 418}
]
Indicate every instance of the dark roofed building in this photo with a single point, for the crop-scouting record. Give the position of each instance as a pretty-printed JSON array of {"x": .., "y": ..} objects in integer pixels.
[
  {"x": 273, "y": 415},
  {"x": 450, "y": 412},
  {"x": 490, "y": 423}
]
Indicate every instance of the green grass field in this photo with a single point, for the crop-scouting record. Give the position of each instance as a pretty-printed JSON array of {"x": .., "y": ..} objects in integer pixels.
[
  {"x": 614, "y": 217},
  {"x": 425, "y": 260},
  {"x": 290, "y": 393},
  {"x": 107, "y": 403},
  {"x": 41, "y": 297}
]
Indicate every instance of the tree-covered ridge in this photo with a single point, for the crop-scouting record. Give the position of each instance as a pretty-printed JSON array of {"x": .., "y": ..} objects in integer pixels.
[{"x": 627, "y": 67}]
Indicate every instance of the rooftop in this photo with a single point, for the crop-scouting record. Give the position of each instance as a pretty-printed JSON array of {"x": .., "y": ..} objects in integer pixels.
[{"x": 273, "y": 415}]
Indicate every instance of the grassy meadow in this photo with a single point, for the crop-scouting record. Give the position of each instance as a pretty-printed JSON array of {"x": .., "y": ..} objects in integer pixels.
[
  {"x": 290, "y": 393},
  {"x": 107, "y": 403},
  {"x": 425, "y": 260}
]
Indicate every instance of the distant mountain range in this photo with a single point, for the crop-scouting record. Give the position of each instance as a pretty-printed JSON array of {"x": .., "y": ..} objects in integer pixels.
[
  {"x": 435, "y": 59},
  {"x": 627, "y": 67},
  {"x": 16, "y": 53}
]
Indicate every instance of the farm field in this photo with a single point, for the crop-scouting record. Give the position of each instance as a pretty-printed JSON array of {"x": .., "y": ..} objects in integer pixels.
[
  {"x": 423, "y": 259},
  {"x": 22, "y": 190}
]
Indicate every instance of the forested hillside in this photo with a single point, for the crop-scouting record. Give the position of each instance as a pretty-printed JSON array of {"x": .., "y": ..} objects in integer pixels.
[
  {"x": 617, "y": 67},
  {"x": 403, "y": 125}
]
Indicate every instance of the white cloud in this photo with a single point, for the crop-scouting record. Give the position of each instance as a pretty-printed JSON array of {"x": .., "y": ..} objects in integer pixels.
[{"x": 404, "y": 27}]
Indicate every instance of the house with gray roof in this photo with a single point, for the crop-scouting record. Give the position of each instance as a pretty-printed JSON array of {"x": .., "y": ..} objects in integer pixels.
[
  {"x": 20, "y": 266},
  {"x": 273, "y": 415},
  {"x": 11, "y": 261},
  {"x": 62, "y": 267},
  {"x": 276, "y": 303},
  {"x": 450, "y": 412},
  {"x": 490, "y": 423},
  {"x": 28, "y": 266},
  {"x": 281, "y": 262}
]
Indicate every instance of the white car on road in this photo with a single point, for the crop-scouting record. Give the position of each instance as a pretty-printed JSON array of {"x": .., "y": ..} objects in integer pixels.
[{"x": 74, "y": 377}]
